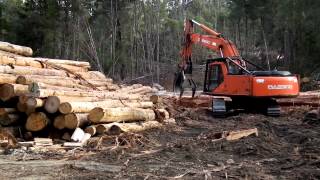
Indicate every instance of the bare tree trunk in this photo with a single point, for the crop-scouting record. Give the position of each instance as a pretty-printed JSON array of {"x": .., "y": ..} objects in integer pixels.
[
  {"x": 265, "y": 43},
  {"x": 158, "y": 43}
]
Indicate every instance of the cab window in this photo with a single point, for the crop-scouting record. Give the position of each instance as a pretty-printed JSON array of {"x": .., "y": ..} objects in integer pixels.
[
  {"x": 234, "y": 69},
  {"x": 215, "y": 77}
]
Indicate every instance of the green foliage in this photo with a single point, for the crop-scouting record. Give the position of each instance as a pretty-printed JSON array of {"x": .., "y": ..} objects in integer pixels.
[{"x": 117, "y": 33}]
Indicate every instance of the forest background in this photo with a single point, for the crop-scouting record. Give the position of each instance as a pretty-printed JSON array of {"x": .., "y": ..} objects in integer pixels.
[{"x": 140, "y": 40}]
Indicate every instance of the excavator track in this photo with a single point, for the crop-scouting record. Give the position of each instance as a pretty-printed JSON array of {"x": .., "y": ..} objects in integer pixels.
[
  {"x": 273, "y": 108},
  {"x": 267, "y": 106},
  {"x": 219, "y": 107}
]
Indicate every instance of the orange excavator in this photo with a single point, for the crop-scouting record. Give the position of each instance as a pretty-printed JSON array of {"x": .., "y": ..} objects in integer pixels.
[{"x": 229, "y": 80}]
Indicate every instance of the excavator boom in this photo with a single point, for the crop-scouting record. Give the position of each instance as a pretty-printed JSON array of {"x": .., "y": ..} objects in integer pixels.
[{"x": 214, "y": 41}]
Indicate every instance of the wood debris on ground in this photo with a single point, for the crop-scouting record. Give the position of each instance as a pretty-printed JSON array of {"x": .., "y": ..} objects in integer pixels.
[
  {"x": 43, "y": 98},
  {"x": 230, "y": 135}
]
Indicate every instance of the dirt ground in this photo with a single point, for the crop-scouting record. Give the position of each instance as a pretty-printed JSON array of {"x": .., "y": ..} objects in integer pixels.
[{"x": 286, "y": 148}]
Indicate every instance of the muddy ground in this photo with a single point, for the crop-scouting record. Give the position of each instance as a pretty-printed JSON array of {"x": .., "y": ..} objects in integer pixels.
[{"x": 286, "y": 148}]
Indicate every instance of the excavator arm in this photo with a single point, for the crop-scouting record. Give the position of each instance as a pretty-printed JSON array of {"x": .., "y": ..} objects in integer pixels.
[{"x": 213, "y": 41}]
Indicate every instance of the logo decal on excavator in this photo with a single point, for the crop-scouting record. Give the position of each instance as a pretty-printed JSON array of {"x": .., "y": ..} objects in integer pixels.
[
  {"x": 279, "y": 87},
  {"x": 208, "y": 42}
]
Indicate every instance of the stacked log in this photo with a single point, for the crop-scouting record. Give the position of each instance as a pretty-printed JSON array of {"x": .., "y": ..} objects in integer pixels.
[
  {"x": 310, "y": 98},
  {"x": 40, "y": 95}
]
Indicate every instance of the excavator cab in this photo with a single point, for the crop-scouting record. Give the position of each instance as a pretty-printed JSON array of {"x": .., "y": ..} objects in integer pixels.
[
  {"x": 214, "y": 77},
  {"x": 217, "y": 69}
]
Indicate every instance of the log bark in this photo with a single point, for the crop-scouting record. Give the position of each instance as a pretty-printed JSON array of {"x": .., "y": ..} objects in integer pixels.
[
  {"x": 43, "y": 93},
  {"x": 35, "y": 102},
  {"x": 32, "y": 62},
  {"x": 100, "y": 115},
  {"x": 141, "y": 90},
  {"x": 66, "y": 62},
  {"x": 35, "y": 61},
  {"x": 36, "y": 86},
  {"x": 59, "y": 122},
  {"x": 7, "y": 78},
  {"x": 66, "y": 81},
  {"x": 16, "y": 49},
  {"x": 79, "y": 107},
  {"x": 85, "y": 107},
  {"x": 53, "y": 102},
  {"x": 37, "y": 122},
  {"x": 128, "y": 88},
  {"x": 7, "y": 91},
  {"x": 98, "y": 74},
  {"x": 74, "y": 120},
  {"x": 9, "y": 54},
  {"x": 71, "y": 79},
  {"x": 118, "y": 128},
  {"x": 22, "y": 70}
]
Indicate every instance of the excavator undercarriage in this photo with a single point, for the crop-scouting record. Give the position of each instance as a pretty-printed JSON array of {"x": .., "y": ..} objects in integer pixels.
[{"x": 222, "y": 107}]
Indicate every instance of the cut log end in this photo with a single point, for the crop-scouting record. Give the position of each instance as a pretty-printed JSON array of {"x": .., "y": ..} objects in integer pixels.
[
  {"x": 52, "y": 104},
  {"x": 114, "y": 130},
  {"x": 37, "y": 122},
  {"x": 91, "y": 130},
  {"x": 74, "y": 120},
  {"x": 6, "y": 92},
  {"x": 21, "y": 80},
  {"x": 101, "y": 128},
  {"x": 96, "y": 115},
  {"x": 71, "y": 121},
  {"x": 59, "y": 122},
  {"x": 65, "y": 108}
]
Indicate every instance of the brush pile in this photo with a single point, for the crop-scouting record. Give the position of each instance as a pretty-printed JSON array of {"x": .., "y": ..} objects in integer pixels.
[{"x": 63, "y": 99}]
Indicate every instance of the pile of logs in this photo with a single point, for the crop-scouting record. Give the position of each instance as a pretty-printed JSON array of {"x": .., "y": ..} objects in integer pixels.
[
  {"x": 64, "y": 99},
  {"x": 309, "y": 98}
]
